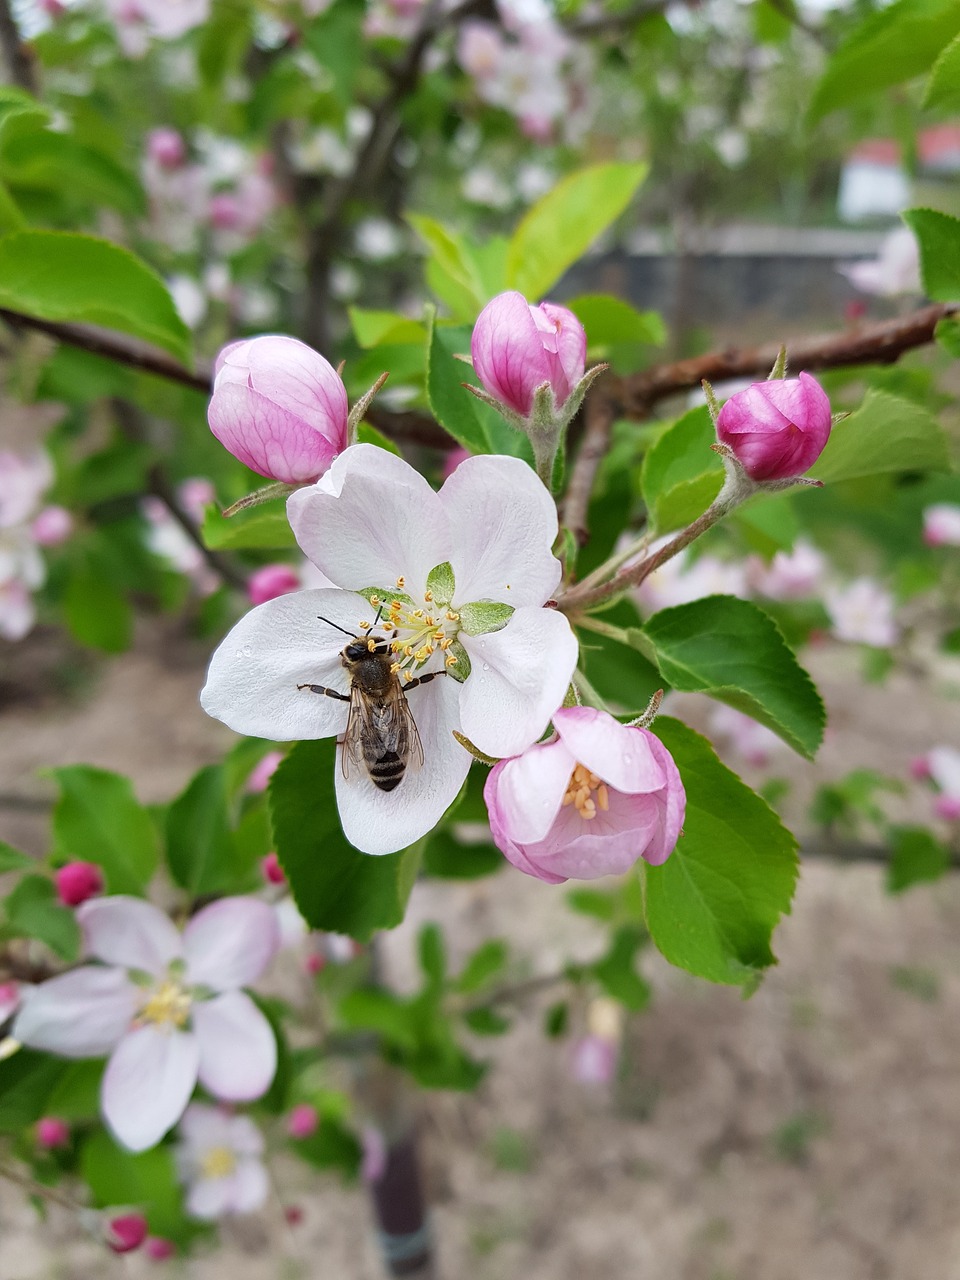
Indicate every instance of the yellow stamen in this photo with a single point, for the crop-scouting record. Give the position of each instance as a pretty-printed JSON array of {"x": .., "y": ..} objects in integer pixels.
[
  {"x": 167, "y": 1006},
  {"x": 451, "y": 659},
  {"x": 218, "y": 1162},
  {"x": 408, "y": 650},
  {"x": 581, "y": 789},
  {"x": 374, "y": 601},
  {"x": 407, "y": 675},
  {"x": 452, "y": 617},
  {"x": 371, "y": 644},
  {"x": 364, "y": 626},
  {"x": 395, "y": 646},
  {"x": 428, "y": 596},
  {"x": 394, "y": 668},
  {"x": 401, "y": 582}
]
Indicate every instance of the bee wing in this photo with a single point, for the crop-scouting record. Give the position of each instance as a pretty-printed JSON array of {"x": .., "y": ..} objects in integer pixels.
[
  {"x": 358, "y": 723},
  {"x": 399, "y": 729}
]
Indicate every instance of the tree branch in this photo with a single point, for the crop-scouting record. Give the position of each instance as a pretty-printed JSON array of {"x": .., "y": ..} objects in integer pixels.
[{"x": 17, "y": 56}]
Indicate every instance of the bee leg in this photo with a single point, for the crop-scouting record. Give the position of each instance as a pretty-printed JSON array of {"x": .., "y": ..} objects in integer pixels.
[
  {"x": 331, "y": 693},
  {"x": 423, "y": 680}
]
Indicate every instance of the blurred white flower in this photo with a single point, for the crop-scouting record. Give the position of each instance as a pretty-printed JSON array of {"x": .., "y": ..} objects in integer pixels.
[
  {"x": 797, "y": 574},
  {"x": 484, "y": 186},
  {"x": 862, "y": 613},
  {"x": 219, "y": 1158},
  {"x": 377, "y": 239},
  {"x": 895, "y": 269}
]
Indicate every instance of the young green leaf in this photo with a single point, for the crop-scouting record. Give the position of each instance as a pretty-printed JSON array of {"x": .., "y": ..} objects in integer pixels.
[
  {"x": 33, "y": 910},
  {"x": 99, "y": 819},
  {"x": 939, "y": 238},
  {"x": 916, "y": 857},
  {"x": 886, "y": 433}
]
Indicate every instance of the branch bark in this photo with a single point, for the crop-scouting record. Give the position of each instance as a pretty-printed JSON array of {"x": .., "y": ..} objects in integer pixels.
[{"x": 17, "y": 56}]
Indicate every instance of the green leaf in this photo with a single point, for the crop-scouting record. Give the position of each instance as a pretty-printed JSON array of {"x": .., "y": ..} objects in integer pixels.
[
  {"x": 34, "y": 158},
  {"x": 34, "y": 911},
  {"x": 616, "y": 972},
  {"x": 335, "y": 38},
  {"x": 442, "y": 583},
  {"x": 12, "y": 859},
  {"x": 373, "y": 328},
  {"x": 896, "y": 44},
  {"x": 432, "y": 954},
  {"x": 148, "y": 1180},
  {"x": 99, "y": 819},
  {"x": 96, "y": 611},
  {"x": 620, "y": 673},
  {"x": 27, "y": 1080},
  {"x": 681, "y": 474},
  {"x": 263, "y": 528},
  {"x": 485, "y": 1022},
  {"x": 201, "y": 852},
  {"x": 609, "y": 320},
  {"x": 454, "y": 256},
  {"x": 565, "y": 222},
  {"x": 489, "y": 959},
  {"x": 712, "y": 907},
  {"x": 916, "y": 857},
  {"x": 370, "y": 435},
  {"x": 884, "y": 434},
  {"x": 60, "y": 275},
  {"x": 446, "y": 857},
  {"x": 454, "y": 407},
  {"x": 939, "y": 238},
  {"x": 335, "y": 886},
  {"x": 943, "y": 87},
  {"x": 373, "y": 1009},
  {"x": 733, "y": 651},
  {"x": 76, "y": 1095}
]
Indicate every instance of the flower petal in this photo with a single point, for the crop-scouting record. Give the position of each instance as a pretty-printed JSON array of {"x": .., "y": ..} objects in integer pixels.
[
  {"x": 371, "y": 520},
  {"x": 673, "y": 807},
  {"x": 377, "y": 821},
  {"x": 81, "y": 1014},
  {"x": 252, "y": 681},
  {"x": 518, "y": 679},
  {"x": 623, "y": 757},
  {"x": 249, "y": 1186},
  {"x": 503, "y": 523},
  {"x": 130, "y": 932},
  {"x": 238, "y": 1052},
  {"x": 530, "y": 789},
  {"x": 147, "y": 1084},
  {"x": 209, "y": 1198},
  {"x": 245, "y": 1138},
  {"x": 229, "y": 943},
  {"x": 267, "y": 438}
]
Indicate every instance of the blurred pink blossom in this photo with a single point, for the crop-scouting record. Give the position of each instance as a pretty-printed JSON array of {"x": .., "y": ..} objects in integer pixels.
[
  {"x": 895, "y": 270},
  {"x": 271, "y": 581},
  {"x": 754, "y": 742},
  {"x": 126, "y": 1232},
  {"x": 941, "y": 525},
  {"x": 158, "y": 1249},
  {"x": 797, "y": 574},
  {"x": 302, "y": 1121},
  {"x": 167, "y": 147},
  {"x": 78, "y": 881},
  {"x": 862, "y": 612},
  {"x": 52, "y": 1132},
  {"x": 263, "y": 771},
  {"x": 52, "y": 526}
]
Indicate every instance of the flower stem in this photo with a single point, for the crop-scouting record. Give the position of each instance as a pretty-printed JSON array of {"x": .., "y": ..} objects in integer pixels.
[{"x": 588, "y": 693}]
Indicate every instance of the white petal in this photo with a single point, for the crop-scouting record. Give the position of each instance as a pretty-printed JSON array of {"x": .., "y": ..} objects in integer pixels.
[
  {"x": 81, "y": 1014},
  {"x": 129, "y": 932},
  {"x": 229, "y": 943},
  {"x": 249, "y": 1187},
  {"x": 370, "y": 520},
  {"x": 252, "y": 681},
  {"x": 376, "y": 821},
  {"x": 621, "y": 756},
  {"x": 518, "y": 678},
  {"x": 209, "y": 1198},
  {"x": 503, "y": 523},
  {"x": 238, "y": 1052},
  {"x": 147, "y": 1084},
  {"x": 245, "y": 1138},
  {"x": 203, "y": 1126}
]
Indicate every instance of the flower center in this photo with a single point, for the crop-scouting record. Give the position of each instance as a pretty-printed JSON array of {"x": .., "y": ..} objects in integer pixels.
[
  {"x": 218, "y": 1162},
  {"x": 581, "y": 790},
  {"x": 415, "y": 634},
  {"x": 167, "y": 1005}
]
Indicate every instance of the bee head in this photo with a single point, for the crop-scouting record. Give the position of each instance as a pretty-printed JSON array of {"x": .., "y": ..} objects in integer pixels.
[{"x": 356, "y": 651}]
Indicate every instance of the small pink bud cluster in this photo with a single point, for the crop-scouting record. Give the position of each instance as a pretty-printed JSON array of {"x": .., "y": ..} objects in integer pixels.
[
  {"x": 52, "y": 1132},
  {"x": 279, "y": 407},
  {"x": 78, "y": 881},
  {"x": 776, "y": 429},
  {"x": 126, "y": 1232},
  {"x": 941, "y": 767}
]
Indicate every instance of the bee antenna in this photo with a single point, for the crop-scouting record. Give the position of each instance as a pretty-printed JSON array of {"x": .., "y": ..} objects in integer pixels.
[
  {"x": 379, "y": 613},
  {"x": 337, "y": 625}
]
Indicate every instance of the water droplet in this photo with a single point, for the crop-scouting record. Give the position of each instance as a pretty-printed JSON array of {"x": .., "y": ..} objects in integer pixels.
[
  {"x": 239, "y": 653},
  {"x": 486, "y": 667},
  {"x": 247, "y": 650},
  {"x": 628, "y": 759}
]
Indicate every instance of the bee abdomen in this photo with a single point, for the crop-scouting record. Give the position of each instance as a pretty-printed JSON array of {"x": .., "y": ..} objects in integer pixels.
[{"x": 387, "y": 771}]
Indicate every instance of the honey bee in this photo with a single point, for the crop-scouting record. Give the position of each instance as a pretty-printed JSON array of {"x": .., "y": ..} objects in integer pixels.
[{"x": 381, "y": 735}]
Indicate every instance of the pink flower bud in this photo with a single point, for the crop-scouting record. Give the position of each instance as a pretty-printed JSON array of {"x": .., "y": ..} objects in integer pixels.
[
  {"x": 302, "y": 1121},
  {"x": 453, "y": 460},
  {"x": 224, "y": 211},
  {"x": 263, "y": 771},
  {"x": 293, "y": 1214},
  {"x": 52, "y": 526},
  {"x": 947, "y": 807},
  {"x": 594, "y": 1060},
  {"x": 941, "y": 525},
  {"x": 272, "y": 870},
  {"x": 279, "y": 407},
  {"x": 588, "y": 803},
  {"x": 271, "y": 581},
  {"x": 516, "y": 348},
  {"x": 126, "y": 1232},
  {"x": 78, "y": 881},
  {"x": 776, "y": 429},
  {"x": 315, "y": 963},
  {"x": 166, "y": 147},
  {"x": 920, "y": 768},
  {"x": 159, "y": 1249},
  {"x": 9, "y": 1000},
  {"x": 52, "y": 1132}
]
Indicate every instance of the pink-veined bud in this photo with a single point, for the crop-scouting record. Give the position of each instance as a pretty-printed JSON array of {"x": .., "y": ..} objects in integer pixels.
[
  {"x": 78, "y": 881},
  {"x": 263, "y": 771},
  {"x": 941, "y": 525},
  {"x": 777, "y": 429},
  {"x": 517, "y": 347},
  {"x": 272, "y": 870},
  {"x": 159, "y": 1249},
  {"x": 302, "y": 1121},
  {"x": 52, "y": 1132},
  {"x": 126, "y": 1232},
  {"x": 588, "y": 803},
  {"x": 52, "y": 526},
  {"x": 166, "y": 147},
  {"x": 271, "y": 581},
  {"x": 279, "y": 407}
]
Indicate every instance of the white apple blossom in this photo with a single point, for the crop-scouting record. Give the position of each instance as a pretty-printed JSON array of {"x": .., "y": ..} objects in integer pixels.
[
  {"x": 796, "y": 574},
  {"x": 461, "y": 577},
  {"x": 219, "y": 1159},
  {"x": 23, "y": 480},
  {"x": 941, "y": 525},
  {"x": 894, "y": 271},
  {"x": 862, "y": 613},
  {"x": 683, "y": 579},
  {"x": 166, "y": 1007}
]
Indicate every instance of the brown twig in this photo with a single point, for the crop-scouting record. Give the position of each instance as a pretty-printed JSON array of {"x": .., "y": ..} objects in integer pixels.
[
  {"x": 599, "y": 413},
  {"x": 880, "y": 343},
  {"x": 17, "y": 56}
]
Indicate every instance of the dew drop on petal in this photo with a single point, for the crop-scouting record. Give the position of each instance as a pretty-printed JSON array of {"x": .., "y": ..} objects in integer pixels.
[{"x": 486, "y": 666}]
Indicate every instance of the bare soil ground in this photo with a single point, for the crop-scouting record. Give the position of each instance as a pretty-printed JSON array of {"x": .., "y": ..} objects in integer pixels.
[{"x": 812, "y": 1131}]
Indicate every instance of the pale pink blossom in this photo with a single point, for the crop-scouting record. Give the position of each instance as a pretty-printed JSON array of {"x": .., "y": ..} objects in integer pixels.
[
  {"x": 23, "y": 481},
  {"x": 594, "y": 1060},
  {"x": 9, "y": 1000},
  {"x": 589, "y": 802},
  {"x": 52, "y": 1132},
  {"x": 270, "y": 581},
  {"x": 944, "y": 769},
  {"x": 168, "y": 540},
  {"x": 167, "y": 1008},
  {"x": 374, "y": 1146},
  {"x": 796, "y": 574},
  {"x": 895, "y": 270},
  {"x": 777, "y": 429},
  {"x": 302, "y": 1120},
  {"x": 219, "y": 1158},
  {"x": 159, "y": 1249},
  {"x": 941, "y": 525},
  {"x": 263, "y": 771},
  {"x": 752, "y": 741},
  {"x": 78, "y": 881},
  {"x": 480, "y": 48},
  {"x": 167, "y": 21},
  {"x": 17, "y": 610},
  {"x": 166, "y": 147},
  {"x": 279, "y": 407},
  {"x": 862, "y": 612},
  {"x": 51, "y": 526},
  {"x": 461, "y": 577},
  {"x": 683, "y": 579},
  {"x": 517, "y": 348}
]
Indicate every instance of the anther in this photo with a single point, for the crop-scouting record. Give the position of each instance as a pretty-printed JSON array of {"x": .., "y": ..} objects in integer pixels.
[
  {"x": 371, "y": 644},
  {"x": 453, "y": 617},
  {"x": 451, "y": 659},
  {"x": 364, "y": 626},
  {"x": 401, "y": 582},
  {"x": 428, "y": 596}
]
